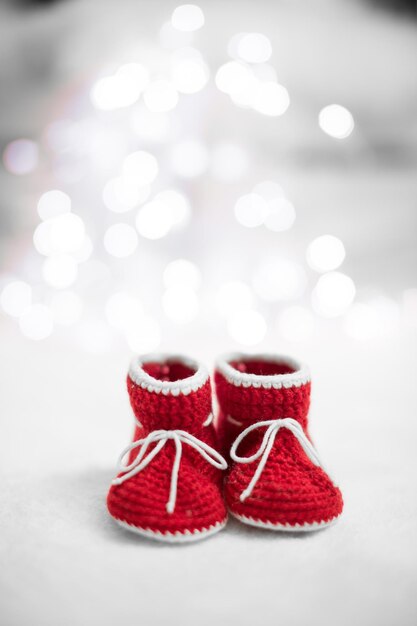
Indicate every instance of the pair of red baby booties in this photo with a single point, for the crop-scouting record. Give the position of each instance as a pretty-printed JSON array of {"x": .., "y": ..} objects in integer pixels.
[{"x": 185, "y": 470}]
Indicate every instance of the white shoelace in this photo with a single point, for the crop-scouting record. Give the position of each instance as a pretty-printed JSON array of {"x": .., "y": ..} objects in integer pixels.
[
  {"x": 273, "y": 428},
  {"x": 160, "y": 437}
]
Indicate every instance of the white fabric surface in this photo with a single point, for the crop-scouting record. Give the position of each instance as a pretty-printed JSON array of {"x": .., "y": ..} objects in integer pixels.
[{"x": 65, "y": 417}]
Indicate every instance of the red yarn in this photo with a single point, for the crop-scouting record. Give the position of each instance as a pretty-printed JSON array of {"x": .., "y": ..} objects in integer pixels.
[
  {"x": 291, "y": 488},
  {"x": 141, "y": 501}
]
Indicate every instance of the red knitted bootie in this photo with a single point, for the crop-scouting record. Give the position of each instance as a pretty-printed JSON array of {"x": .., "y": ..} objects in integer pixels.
[
  {"x": 171, "y": 485},
  {"x": 276, "y": 480}
]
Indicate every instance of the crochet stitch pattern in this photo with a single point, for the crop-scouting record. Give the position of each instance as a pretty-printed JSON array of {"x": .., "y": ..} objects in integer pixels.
[
  {"x": 170, "y": 489},
  {"x": 275, "y": 480}
]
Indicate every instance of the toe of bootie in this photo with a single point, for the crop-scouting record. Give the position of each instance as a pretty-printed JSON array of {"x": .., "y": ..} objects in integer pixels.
[
  {"x": 307, "y": 503},
  {"x": 140, "y": 505}
]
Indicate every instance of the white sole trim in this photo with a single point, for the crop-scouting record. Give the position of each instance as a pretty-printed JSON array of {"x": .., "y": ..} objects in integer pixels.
[
  {"x": 287, "y": 528},
  {"x": 177, "y": 537}
]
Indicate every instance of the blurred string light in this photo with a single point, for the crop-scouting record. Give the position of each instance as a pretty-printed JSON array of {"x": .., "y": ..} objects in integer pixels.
[
  {"x": 60, "y": 235},
  {"x": 296, "y": 323},
  {"x": 333, "y": 294},
  {"x": 121, "y": 89},
  {"x": 266, "y": 205},
  {"x": 336, "y": 121},
  {"x": 250, "y": 47},
  {"x": 16, "y": 297},
  {"x": 250, "y": 89},
  {"x": 120, "y": 240},
  {"x": 21, "y": 156},
  {"x": 325, "y": 253},
  {"x": 53, "y": 203},
  {"x": 189, "y": 73},
  {"x": 247, "y": 327},
  {"x": 168, "y": 210},
  {"x": 121, "y": 195},
  {"x": 183, "y": 273},
  {"x": 140, "y": 168},
  {"x": 60, "y": 271},
  {"x": 187, "y": 18}
]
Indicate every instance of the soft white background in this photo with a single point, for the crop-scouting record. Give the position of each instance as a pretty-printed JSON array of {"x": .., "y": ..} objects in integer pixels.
[{"x": 64, "y": 411}]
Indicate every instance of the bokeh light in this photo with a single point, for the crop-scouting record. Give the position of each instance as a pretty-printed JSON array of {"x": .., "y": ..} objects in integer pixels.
[
  {"x": 16, "y": 297},
  {"x": 140, "y": 168},
  {"x": 60, "y": 271},
  {"x": 250, "y": 210},
  {"x": 187, "y": 17},
  {"x": 21, "y": 156},
  {"x": 254, "y": 48},
  {"x": 325, "y": 253},
  {"x": 53, "y": 203},
  {"x": 336, "y": 121},
  {"x": 333, "y": 294},
  {"x": 120, "y": 240},
  {"x": 183, "y": 273}
]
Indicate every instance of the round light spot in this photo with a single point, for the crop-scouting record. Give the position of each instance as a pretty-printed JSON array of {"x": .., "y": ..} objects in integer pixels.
[
  {"x": 296, "y": 323},
  {"x": 333, "y": 294},
  {"x": 189, "y": 158},
  {"x": 53, "y": 203},
  {"x": 247, "y": 327},
  {"x": 325, "y": 253},
  {"x": 154, "y": 220},
  {"x": 190, "y": 75},
  {"x": 336, "y": 121},
  {"x": 120, "y": 240},
  {"x": 251, "y": 210},
  {"x": 66, "y": 307},
  {"x": 59, "y": 271},
  {"x": 180, "y": 304},
  {"x": 120, "y": 90},
  {"x": 21, "y": 156},
  {"x": 16, "y": 297},
  {"x": 176, "y": 204},
  {"x": 271, "y": 99},
  {"x": 281, "y": 215},
  {"x": 139, "y": 169},
  {"x": 183, "y": 273},
  {"x": 66, "y": 233},
  {"x": 254, "y": 48},
  {"x": 36, "y": 322},
  {"x": 232, "y": 77},
  {"x": 121, "y": 194},
  {"x": 160, "y": 96},
  {"x": 187, "y": 18}
]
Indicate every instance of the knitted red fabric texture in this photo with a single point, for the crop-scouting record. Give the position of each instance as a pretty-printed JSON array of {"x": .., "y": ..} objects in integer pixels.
[
  {"x": 291, "y": 491},
  {"x": 141, "y": 500}
]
